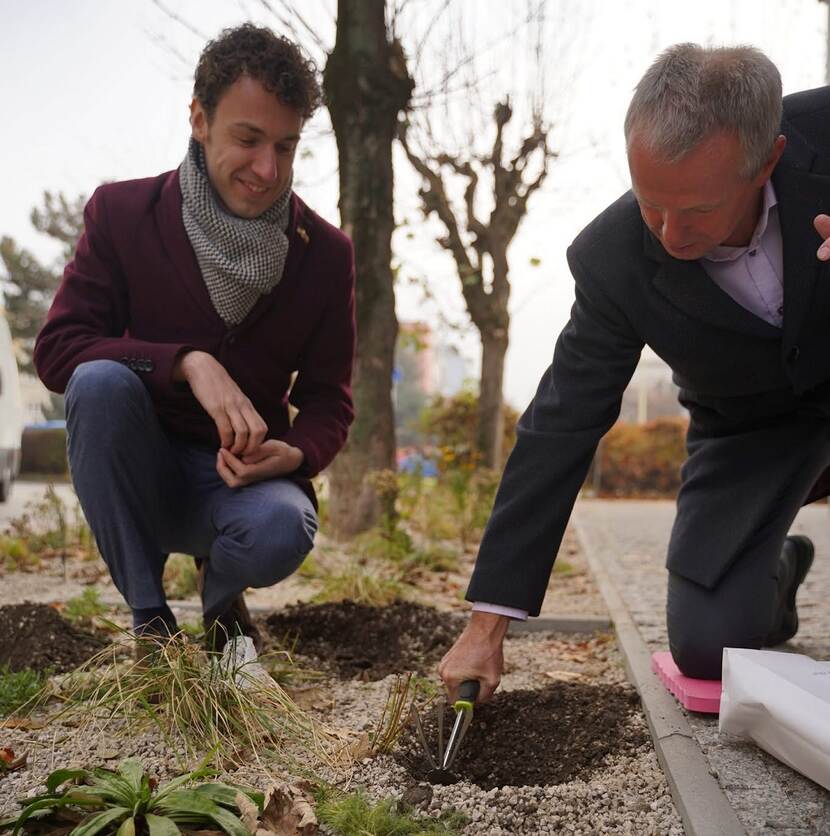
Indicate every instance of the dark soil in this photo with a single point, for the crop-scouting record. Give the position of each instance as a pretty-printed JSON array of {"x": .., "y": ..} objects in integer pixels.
[
  {"x": 36, "y": 636},
  {"x": 534, "y": 738},
  {"x": 369, "y": 642}
]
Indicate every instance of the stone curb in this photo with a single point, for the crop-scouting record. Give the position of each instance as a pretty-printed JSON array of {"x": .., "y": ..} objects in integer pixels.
[
  {"x": 561, "y": 624},
  {"x": 702, "y": 804}
]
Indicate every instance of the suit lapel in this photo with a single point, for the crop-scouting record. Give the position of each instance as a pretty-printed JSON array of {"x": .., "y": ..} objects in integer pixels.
[
  {"x": 688, "y": 287},
  {"x": 801, "y": 196}
]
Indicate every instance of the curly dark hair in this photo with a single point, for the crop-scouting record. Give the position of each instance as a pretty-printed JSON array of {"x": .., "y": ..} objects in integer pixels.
[{"x": 277, "y": 63}]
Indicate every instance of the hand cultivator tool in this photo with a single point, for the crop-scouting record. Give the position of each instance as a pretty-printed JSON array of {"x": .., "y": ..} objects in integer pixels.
[{"x": 440, "y": 772}]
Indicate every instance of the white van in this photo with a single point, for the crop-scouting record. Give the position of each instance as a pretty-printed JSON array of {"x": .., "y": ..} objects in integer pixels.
[{"x": 11, "y": 412}]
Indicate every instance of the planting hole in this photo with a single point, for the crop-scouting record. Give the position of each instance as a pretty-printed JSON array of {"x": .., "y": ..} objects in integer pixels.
[{"x": 536, "y": 738}]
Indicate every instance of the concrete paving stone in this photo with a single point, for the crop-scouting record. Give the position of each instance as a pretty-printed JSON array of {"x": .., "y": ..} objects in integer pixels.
[{"x": 630, "y": 539}]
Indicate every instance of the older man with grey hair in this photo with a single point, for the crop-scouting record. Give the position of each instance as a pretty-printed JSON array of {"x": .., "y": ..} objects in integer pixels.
[{"x": 711, "y": 260}]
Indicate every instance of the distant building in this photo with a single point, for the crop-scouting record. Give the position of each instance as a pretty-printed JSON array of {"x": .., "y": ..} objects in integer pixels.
[
  {"x": 425, "y": 367},
  {"x": 435, "y": 367}
]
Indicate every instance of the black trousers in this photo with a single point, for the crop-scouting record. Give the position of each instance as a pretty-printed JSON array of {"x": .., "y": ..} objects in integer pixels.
[{"x": 739, "y": 496}]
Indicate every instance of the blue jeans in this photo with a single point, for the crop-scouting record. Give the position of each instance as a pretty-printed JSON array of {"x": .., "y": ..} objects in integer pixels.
[{"x": 146, "y": 494}]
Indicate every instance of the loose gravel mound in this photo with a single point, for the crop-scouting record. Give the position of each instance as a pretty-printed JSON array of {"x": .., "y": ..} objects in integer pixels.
[
  {"x": 369, "y": 642},
  {"x": 536, "y": 738},
  {"x": 35, "y": 636}
]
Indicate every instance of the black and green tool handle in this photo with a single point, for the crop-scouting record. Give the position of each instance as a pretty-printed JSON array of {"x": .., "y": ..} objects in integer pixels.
[{"x": 467, "y": 695}]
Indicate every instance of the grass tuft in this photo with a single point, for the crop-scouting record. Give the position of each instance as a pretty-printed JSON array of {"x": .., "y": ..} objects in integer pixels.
[
  {"x": 195, "y": 703},
  {"x": 373, "y": 586},
  {"x": 19, "y": 688},
  {"x": 395, "y": 716},
  {"x": 355, "y": 815},
  {"x": 84, "y": 608},
  {"x": 180, "y": 576}
]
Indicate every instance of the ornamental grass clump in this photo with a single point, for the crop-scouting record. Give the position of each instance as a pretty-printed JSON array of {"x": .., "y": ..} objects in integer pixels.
[
  {"x": 195, "y": 700},
  {"x": 130, "y": 802},
  {"x": 395, "y": 715},
  {"x": 355, "y": 815}
]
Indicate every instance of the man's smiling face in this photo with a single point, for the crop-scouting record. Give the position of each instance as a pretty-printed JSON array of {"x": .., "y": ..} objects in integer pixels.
[
  {"x": 702, "y": 200},
  {"x": 249, "y": 143}
]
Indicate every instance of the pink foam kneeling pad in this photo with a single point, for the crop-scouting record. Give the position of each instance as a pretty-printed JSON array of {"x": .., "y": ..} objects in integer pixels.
[{"x": 694, "y": 694}]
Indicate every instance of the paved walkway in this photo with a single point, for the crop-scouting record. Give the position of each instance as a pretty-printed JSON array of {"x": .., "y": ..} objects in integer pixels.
[{"x": 630, "y": 540}]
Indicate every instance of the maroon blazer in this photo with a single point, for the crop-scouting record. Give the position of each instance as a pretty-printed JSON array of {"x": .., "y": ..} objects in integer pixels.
[{"x": 134, "y": 293}]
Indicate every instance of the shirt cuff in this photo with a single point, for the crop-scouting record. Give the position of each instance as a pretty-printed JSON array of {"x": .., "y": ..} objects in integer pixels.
[{"x": 498, "y": 609}]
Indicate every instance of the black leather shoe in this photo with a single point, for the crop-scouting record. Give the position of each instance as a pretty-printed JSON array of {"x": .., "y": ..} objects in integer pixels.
[{"x": 795, "y": 562}]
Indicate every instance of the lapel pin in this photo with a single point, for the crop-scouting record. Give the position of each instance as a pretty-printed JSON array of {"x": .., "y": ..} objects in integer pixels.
[{"x": 302, "y": 234}]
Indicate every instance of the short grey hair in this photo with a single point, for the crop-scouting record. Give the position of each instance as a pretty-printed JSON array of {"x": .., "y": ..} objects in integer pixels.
[{"x": 690, "y": 93}]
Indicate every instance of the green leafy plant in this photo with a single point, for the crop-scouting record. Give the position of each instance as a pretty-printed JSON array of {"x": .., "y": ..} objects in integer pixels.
[
  {"x": 180, "y": 576},
  {"x": 18, "y": 688},
  {"x": 384, "y": 542},
  {"x": 84, "y": 608},
  {"x": 310, "y": 567},
  {"x": 355, "y": 815},
  {"x": 130, "y": 802},
  {"x": 192, "y": 629},
  {"x": 16, "y": 553}
]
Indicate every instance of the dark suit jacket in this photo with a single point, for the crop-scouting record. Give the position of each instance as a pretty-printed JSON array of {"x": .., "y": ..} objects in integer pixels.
[
  {"x": 735, "y": 371},
  {"x": 134, "y": 293}
]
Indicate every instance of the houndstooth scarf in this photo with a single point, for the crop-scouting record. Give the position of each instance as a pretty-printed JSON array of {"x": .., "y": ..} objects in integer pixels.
[{"x": 240, "y": 258}]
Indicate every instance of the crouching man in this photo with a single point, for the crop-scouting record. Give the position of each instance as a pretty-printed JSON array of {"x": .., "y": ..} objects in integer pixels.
[{"x": 192, "y": 300}]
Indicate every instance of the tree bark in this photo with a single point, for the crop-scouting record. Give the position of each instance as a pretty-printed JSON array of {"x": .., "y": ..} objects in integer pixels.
[
  {"x": 366, "y": 85},
  {"x": 490, "y": 411}
]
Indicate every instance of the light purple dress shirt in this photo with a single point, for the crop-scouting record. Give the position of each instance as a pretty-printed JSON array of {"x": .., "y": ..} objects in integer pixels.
[{"x": 752, "y": 275}]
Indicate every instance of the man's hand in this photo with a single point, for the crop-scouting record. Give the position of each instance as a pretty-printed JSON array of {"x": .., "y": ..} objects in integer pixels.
[
  {"x": 822, "y": 225},
  {"x": 241, "y": 429},
  {"x": 272, "y": 459},
  {"x": 477, "y": 654}
]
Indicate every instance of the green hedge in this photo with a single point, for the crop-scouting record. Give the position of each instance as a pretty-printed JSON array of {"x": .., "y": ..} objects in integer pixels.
[{"x": 43, "y": 451}]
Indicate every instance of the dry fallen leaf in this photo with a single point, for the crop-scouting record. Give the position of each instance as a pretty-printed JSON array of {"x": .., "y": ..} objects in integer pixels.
[
  {"x": 287, "y": 812},
  {"x": 361, "y": 747},
  {"x": 9, "y": 762},
  {"x": 22, "y": 723},
  {"x": 248, "y": 812},
  {"x": 314, "y": 697}
]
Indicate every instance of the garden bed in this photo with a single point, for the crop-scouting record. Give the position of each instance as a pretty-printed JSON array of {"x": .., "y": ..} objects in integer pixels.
[
  {"x": 563, "y": 747},
  {"x": 371, "y": 643},
  {"x": 35, "y": 636}
]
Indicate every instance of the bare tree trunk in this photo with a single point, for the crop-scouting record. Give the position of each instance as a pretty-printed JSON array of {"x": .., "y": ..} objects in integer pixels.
[
  {"x": 487, "y": 305},
  {"x": 366, "y": 84},
  {"x": 490, "y": 411}
]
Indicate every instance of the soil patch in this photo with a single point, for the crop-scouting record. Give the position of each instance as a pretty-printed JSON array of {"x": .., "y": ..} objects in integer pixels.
[
  {"x": 36, "y": 636},
  {"x": 370, "y": 642},
  {"x": 536, "y": 738}
]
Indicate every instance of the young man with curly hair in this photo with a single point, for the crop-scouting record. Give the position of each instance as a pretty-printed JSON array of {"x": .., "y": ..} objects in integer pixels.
[{"x": 200, "y": 305}]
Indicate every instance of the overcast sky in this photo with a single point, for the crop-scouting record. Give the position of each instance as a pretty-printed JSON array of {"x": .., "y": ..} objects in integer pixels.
[{"x": 96, "y": 90}]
